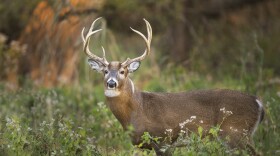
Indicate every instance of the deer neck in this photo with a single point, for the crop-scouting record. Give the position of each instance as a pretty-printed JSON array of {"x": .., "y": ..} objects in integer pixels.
[{"x": 125, "y": 104}]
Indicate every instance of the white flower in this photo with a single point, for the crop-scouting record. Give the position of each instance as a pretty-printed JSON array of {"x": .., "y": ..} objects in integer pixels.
[
  {"x": 245, "y": 132},
  {"x": 201, "y": 121},
  {"x": 193, "y": 117},
  {"x": 3, "y": 38},
  {"x": 278, "y": 93},
  {"x": 231, "y": 128},
  {"x": 182, "y": 125},
  {"x": 222, "y": 109},
  {"x": 229, "y": 113},
  {"x": 169, "y": 130}
]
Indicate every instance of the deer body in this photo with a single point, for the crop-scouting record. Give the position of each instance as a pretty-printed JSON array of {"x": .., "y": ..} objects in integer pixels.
[{"x": 157, "y": 112}]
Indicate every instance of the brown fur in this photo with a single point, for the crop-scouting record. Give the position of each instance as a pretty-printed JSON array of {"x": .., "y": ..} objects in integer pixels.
[{"x": 156, "y": 112}]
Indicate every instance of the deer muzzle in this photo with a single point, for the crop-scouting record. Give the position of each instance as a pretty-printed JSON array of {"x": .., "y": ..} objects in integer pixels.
[{"x": 111, "y": 83}]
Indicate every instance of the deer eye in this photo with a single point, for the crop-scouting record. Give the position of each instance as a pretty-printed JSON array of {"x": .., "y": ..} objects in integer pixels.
[
  {"x": 122, "y": 72},
  {"x": 106, "y": 71}
]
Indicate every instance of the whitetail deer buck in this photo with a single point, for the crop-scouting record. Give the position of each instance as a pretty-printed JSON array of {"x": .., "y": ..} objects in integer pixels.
[{"x": 157, "y": 112}]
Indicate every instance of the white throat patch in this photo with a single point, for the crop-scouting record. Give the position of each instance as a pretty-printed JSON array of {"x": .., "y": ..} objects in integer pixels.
[{"x": 112, "y": 93}]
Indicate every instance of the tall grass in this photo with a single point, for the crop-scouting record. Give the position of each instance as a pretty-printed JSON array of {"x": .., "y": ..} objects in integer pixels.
[{"x": 74, "y": 120}]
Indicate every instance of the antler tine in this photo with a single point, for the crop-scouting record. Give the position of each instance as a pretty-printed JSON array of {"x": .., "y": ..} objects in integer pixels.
[
  {"x": 104, "y": 54},
  {"x": 86, "y": 40},
  {"x": 150, "y": 31},
  {"x": 82, "y": 35},
  {"x": 147, "y": 42}
]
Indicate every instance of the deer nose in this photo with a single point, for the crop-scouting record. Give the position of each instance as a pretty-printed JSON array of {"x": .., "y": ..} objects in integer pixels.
[{"x": 111, "y": 84}]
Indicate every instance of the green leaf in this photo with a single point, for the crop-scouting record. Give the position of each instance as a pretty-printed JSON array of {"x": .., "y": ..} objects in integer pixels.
[{"x": 200, "y": 131}]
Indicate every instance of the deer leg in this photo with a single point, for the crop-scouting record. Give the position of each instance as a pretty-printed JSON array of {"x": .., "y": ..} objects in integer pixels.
[
  {"x": 157, "y": 148},
  {"x": 160, "y": 153},
  {"x": 240, "y": 142}
]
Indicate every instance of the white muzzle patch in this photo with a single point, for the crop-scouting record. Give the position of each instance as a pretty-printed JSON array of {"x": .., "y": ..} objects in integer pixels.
[{"x": 112, "y": 92}]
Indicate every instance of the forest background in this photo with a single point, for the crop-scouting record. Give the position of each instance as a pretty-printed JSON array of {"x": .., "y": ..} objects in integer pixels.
[{"x": 52, "y": 103}]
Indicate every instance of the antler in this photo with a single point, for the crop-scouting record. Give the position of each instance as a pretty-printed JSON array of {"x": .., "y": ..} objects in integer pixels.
[
  {"x": 147, "y": 42},
  {"x": 86, "y": 40}
]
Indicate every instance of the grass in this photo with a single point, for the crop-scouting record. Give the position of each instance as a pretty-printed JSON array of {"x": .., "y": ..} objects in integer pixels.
[{"x": 75, "y": 120}]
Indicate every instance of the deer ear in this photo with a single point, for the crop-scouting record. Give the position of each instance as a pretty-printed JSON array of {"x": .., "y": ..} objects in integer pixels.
[
  {"x": 133, "y": 66},
  {"x": 95, "y": 65}
]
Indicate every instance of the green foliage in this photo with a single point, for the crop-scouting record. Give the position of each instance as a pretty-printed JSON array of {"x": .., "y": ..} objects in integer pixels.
[
  {"x": 55, "y": 137},
  {"x": 9, "y": 56},
  {"x": 268, "y": 135},
  {"x": 57, "y": 121},
  {"x": 210, "y": 144},
  {"x": 235, "y": 51},
  {"x": 147, "y": 139},
  {"x": 75, "y": 121},
  {"x": 195, "y": 143}
]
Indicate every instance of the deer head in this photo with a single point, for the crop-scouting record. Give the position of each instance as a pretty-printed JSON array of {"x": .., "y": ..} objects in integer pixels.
[{"x": 115, "y": 73}]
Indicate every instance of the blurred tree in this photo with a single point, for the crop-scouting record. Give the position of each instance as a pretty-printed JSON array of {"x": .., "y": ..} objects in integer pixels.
[
  {"x": 198, "y": 34},
  {"x": 212, "y": 8},
  {"x": 14, "y": 15},
  {"x": 53, "y": 43},
  {"x": 172, "y": 19},
  {"x": 166, "y": 17}
]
